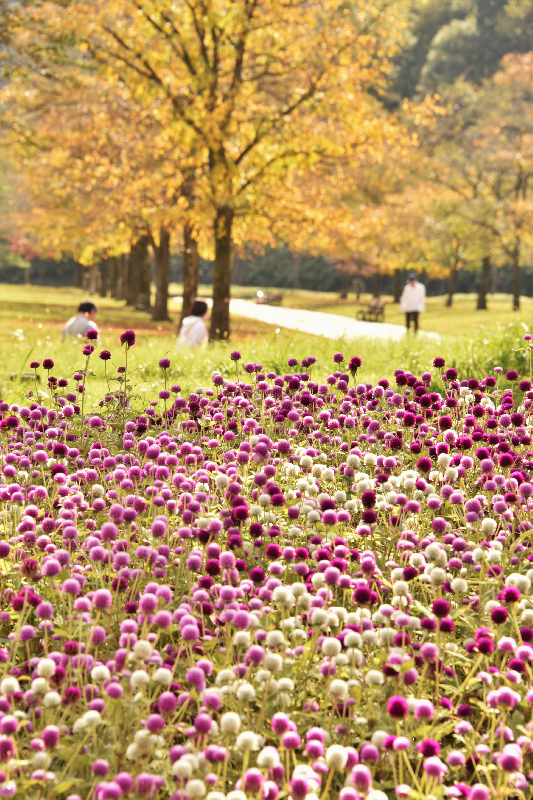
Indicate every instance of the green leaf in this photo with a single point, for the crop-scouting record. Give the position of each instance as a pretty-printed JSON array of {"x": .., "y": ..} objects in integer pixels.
[{"x": 64, "y": 785}]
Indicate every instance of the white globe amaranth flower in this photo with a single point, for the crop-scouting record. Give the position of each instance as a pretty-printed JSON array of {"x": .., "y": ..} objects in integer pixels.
[
  {"x": 268, "y": 758},
  {"x": 400, "y": 589},
  {"x": 242, "y": 638},
  {"x": 196, "y": 789},
  {"x": 162, "y": 676},
  {"x": 459, "y": 586},
  {"x": 40, "y": 685},
  {"x": 247, "y": 740},
  {"x": 230, "y": 722},
  {"x": 41, "y": 760},
  {"x": 273, "y": 662},
  {"x": 520, "y": 582},
  {"x": 182, "y": 768},
  {"x": 100, "y": 673},
  {"x": 221, "y": 481},
  {"x": 331, "y": 647},
  {"x": 374, "y": 678},
  {"x": 9, "y": 685},
  {"x": 51, "y": 699},
  {"x": 46, "y": 668},
  {"x": 246, "y": 692},
  {"x": 338, "y": 688},
  {"x": 275, "y": 638},
  {"x": 336, "y": 757},
  {"x": 142, "y": 649},
  {"x": 488, "y": 526},
  {"x": 139, "y": 678}
]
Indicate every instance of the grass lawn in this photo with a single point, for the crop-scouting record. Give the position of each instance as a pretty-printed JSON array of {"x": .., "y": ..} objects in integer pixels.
[{"x": 31, "y": 319}]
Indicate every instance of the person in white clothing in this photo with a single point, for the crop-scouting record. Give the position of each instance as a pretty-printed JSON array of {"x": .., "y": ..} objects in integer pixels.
[
  {"x": 82, "y": 322},
  {"x": 193, "y": 331},
  {"x": 413, "y": 301}
]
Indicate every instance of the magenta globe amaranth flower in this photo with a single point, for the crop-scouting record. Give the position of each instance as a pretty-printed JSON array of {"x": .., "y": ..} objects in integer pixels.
[
  {"x": 128, "y": 338},
  {"x": 397, "y": 707}
]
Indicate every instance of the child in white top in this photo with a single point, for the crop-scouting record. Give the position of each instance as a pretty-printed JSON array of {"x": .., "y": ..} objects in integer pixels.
[{"x": 193, "y": 331}]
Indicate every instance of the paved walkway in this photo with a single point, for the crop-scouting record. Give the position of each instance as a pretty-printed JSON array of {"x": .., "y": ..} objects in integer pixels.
[{"x": 331, "y": 326}]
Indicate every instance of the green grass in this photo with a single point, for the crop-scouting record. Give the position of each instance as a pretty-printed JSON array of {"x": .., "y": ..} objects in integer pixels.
[{"x": 31, "y": 319}]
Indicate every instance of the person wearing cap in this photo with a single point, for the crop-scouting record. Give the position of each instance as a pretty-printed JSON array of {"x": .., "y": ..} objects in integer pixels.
[
  {"x": 413, "y": 301},
  {"x": 83, "y": 321}
]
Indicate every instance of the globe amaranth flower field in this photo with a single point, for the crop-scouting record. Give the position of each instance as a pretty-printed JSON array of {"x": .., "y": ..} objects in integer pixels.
[{"x": 270, "y": 588}]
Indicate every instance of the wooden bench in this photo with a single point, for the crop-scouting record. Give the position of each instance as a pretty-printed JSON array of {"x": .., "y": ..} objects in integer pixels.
[
  {"x": 269, "y": 299},
  {"x": 373, "y": 311}
]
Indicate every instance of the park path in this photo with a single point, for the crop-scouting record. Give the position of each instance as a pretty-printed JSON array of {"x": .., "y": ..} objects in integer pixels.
[{"x": 331, "y": 326}]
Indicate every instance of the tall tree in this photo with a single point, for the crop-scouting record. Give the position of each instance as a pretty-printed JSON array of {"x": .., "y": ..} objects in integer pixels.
[{"x": 261, "y": 87}]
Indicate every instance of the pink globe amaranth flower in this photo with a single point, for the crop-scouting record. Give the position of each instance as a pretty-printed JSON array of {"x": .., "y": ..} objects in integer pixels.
[
  {"x": 167, "y": 703},
  {"x": 401, "y": 743},
  {"x": 361, "y": 778},
  {"x": 50, "y": 736},
  {"x": 424, "y": 709},
  {"x": 102, "y": 599},
  {"x": 280, "y": 722},
  {"x": 397, "y": 707},
  {"x": 368, "y": 752},
  {"x": 144, "y": 782},
  {"x": 291, "y": 740},
  {"x": 428, "y": 748},
  {"x": 455, "y": 759},
  {"x": 100, "y": 767},
  {"x": 511, "y": 758},
  {"x": 197, "y": 678},
  {"x": 434, "y": 767},
  {"x": 429, "y": 652},
  {"x": 253, "y": 780}
]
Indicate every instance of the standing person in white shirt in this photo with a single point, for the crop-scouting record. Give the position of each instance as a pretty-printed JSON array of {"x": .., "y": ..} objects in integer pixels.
[
  {"x": 413, "y": 301},
  {"x": 83, "y": 321},
  {"x": 193, "y": 331}
]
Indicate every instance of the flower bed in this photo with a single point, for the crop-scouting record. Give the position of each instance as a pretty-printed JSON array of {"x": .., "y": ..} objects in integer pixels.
[{"x": 268, "y": 588}]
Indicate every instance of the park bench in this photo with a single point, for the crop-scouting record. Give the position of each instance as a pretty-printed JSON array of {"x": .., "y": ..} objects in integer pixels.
[
  {"x": 265, "y": 299},
  {"x": 373, "y": 311}
]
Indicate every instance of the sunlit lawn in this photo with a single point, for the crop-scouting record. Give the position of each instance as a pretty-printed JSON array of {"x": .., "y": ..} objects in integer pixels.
[{"x": 31, "y": 319}]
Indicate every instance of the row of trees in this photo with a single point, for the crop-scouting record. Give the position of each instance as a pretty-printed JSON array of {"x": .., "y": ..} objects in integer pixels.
[
  {"x": 137, "y": 125},
  {"x": 135, "y": 128},
  {"x": 465, "y": 197}
]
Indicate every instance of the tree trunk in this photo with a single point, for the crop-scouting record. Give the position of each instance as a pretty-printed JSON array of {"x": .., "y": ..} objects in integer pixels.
[
  {"x": 344, "y": 285},
  {"x": 190, "y": 271},
  {"x": 122, "y": 273},
  {"x": 296, "y": 260},
  {"x": 493, "y": 279},
  {"x": 78, "y": 280},
  {"x": 222, "y": 273},
  {"x": 113, "y": 275},
  {"x": 162, "y": 276},
  {"x": 516, "y": 279},
  {"x": 452, "y": 286},
  {"x": 139, "y": 273},
  {"x": 397, "y": 285},
  {"x": 132, "y": 282},
  {"x": 145, "y": 278},
  {"x": 377, "y": 284},
  {"x": 94, "y": 276},
  {"x": 483, "y": 287},
  {"x": 104, "y": 276}
]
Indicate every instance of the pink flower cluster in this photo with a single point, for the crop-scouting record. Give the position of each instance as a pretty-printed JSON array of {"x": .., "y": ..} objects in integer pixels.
[{"x": 272, "y": 587}]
